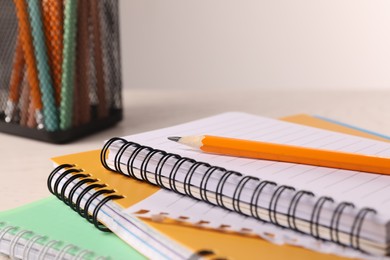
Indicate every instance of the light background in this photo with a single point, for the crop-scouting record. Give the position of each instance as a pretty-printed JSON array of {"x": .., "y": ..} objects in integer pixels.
[{"x": 317, "y": 44}]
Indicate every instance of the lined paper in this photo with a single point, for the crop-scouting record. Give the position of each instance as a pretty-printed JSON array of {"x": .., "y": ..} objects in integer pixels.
[{"x": 362, "y": 189}]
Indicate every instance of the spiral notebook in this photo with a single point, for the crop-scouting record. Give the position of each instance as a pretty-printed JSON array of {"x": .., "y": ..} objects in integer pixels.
[
  {"x": 170, "y": 239},
  {"x": 46, "y": 229},
  {"x": 166, "y": 239},
  {"x": 346, "y": 207},
  {"x": 137, "y": 193}
]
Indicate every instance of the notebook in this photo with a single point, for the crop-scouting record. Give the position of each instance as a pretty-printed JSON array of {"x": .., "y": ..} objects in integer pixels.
[
  {"x": 46, "y": 229},
  {"x": 136, "y": 192},
  {"x": 171, "y": 239},
  {"x": 346, "y": 207}
]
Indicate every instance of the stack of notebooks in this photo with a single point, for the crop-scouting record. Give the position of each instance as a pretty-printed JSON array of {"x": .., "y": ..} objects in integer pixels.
[{"x": 166, "y": 201}]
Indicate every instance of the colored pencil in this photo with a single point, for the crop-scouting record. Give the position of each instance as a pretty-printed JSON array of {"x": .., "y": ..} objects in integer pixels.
[
  {"x": 68, "y": 64},
  {"x": 50, "y": 113},
  {"x": 28, "y": 51},
  {"x": 286, "y": 153},
  {"x": 15, "y": 81},
  {"x": 53, "y": 17}
]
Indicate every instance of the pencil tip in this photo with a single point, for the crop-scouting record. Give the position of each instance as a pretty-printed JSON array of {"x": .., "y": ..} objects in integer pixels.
[{"x": 174, "y": 138}]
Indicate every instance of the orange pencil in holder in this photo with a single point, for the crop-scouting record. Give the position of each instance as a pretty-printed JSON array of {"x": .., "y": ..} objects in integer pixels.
[
  {"x": 15, "y": 82},
  {"x": 28, "y": 51}
]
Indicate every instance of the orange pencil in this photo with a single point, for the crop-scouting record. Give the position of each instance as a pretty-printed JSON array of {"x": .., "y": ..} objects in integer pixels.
[
  {"x": 17, "y": 72},
  {"x": 286, "y": 153},
  {"x": 29, "y": 57},
  {"x": 15, "y": 82}
]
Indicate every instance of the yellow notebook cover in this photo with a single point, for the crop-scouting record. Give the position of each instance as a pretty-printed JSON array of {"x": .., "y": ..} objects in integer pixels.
[{"x": 229, "y": 245}]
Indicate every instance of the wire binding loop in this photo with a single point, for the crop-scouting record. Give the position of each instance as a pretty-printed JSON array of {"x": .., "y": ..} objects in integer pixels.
[
  {"x": 201, "y": 254},
  {"x": 357, "y": 227},
  {"x": 238, "y": 191},
  {"x": 95, "y": 221},
  {"x": 335, "y": 221},
  {"x": 103, "y": 154},
  {"x": 219, "y": 195},
  {"x": 292, "y": 209},
  {"x": 205, "y": 180},
  {"x": 315, "y": 216},
  {"x": 14, "y": 242},
  {"x": 174, "y": 171},
  {"x": 188, "y": 178},
  {"x": 254, "y": 204},
  {"x": 73, "y": 187},
  {"x": 46, "y": 248},
  {"x": 30, "y": 244},
  {"x": 273, "y": 212}
]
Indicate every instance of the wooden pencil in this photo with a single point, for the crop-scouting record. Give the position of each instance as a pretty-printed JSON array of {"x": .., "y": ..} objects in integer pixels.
[
  {"x": 28, "y": 51},
  {"x": 286, "y": 153}
]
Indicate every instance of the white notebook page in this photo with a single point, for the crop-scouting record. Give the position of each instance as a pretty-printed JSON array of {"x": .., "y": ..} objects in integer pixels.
[{"x": 362, "y": 189}]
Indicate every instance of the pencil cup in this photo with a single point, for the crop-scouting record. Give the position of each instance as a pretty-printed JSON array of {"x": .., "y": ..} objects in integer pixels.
[{"x": 60, "y": 75}]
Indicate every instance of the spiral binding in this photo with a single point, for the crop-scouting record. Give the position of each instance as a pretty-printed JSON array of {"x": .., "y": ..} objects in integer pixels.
[
  {"x": 135, "y": 150},
  {"x": 26, "y": 248},
  {"x": 77, "y": 178},
  {"x": 68, "y": 174}
]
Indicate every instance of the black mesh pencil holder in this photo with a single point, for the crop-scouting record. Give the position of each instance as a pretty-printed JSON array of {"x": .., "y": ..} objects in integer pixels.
[{"x": 60, "y": 74}]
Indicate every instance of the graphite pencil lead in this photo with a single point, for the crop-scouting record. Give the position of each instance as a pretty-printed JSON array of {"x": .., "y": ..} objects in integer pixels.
[{"x": 174, "y": 138}]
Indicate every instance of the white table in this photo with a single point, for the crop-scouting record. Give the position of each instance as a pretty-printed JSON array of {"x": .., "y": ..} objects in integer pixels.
[{"x": 25, "y": 164}]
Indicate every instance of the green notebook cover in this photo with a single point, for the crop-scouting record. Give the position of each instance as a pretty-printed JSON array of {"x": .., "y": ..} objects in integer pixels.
[{"x": 61, "y": 228}]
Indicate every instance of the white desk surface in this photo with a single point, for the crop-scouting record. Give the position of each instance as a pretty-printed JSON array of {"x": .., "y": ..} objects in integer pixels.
[{"x": 25, "y": 164}]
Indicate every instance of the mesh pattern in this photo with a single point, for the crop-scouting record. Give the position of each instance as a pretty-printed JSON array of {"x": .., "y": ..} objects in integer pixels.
[
  {"x": 59, "y": 63},
  {"x": 52, "y": 14},
  {"x": 8, "y": 33},
  {"x": 110, "y": 26}
]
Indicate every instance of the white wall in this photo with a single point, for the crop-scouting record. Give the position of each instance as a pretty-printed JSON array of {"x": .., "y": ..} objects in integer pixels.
[{"x": 256, "y": 43}]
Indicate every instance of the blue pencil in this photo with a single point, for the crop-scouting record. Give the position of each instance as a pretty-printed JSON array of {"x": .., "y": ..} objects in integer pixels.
[{"x": 46, "y": 85}]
